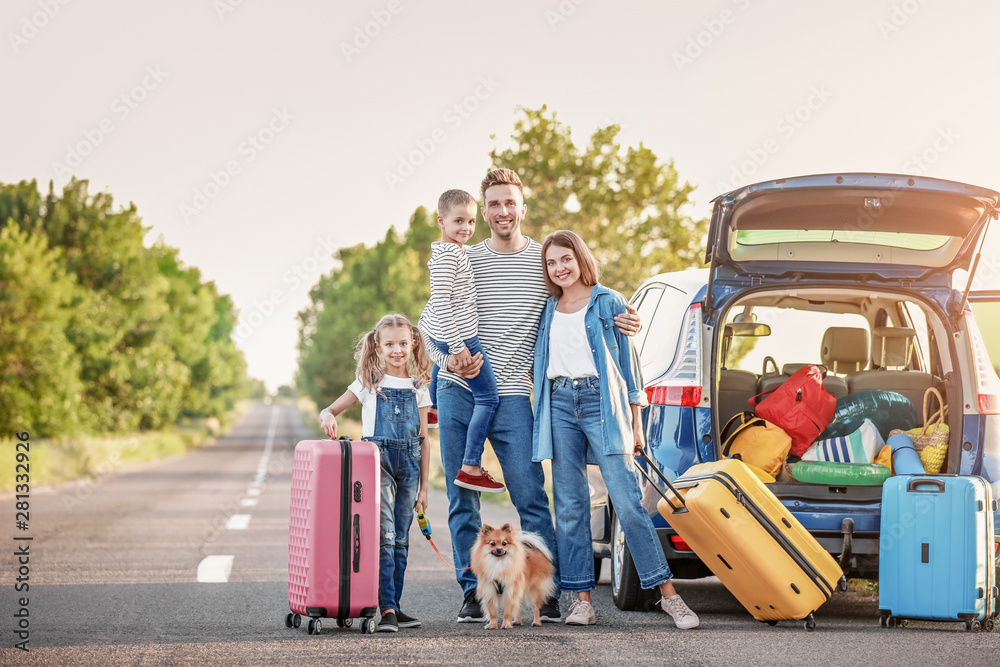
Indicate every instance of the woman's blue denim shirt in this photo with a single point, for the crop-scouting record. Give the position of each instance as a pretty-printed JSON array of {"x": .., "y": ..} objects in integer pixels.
[{"x": 617, "y": 363}]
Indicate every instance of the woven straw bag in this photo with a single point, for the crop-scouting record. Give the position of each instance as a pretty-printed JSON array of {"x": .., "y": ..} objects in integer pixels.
[{"x": 931, "y": 439}]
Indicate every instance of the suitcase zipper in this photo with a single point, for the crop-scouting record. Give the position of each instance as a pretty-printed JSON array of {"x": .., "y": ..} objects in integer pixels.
[{"x": 346, "y": 477}]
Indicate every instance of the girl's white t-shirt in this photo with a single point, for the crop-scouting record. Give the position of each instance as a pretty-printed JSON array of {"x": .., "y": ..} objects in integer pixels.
[
  {"x": 369, "y": 399},
  {"x": 570, "y": 355}
]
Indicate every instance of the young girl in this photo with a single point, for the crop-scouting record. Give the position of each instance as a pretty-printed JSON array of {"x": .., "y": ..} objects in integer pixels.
[
  {"x": 588, "y": 393},
  {"x": 392, "y": 369}
]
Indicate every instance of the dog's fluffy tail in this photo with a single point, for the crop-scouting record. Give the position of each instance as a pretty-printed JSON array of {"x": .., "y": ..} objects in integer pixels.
[{"x": 535, "y": 541}]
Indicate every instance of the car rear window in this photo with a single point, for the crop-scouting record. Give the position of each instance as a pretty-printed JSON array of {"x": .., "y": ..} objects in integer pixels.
[
  {"x": 796, "y": 337},
  {"x": 661, "y": 308}
]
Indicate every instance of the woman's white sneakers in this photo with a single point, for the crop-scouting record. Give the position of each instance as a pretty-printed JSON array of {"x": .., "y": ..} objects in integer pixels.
[
  {"x": 581, "y": 612},
  {"x": 684, "y": 618}
]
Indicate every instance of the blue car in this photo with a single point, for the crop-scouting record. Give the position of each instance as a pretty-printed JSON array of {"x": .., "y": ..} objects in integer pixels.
[{"x": 864, "y": 275}]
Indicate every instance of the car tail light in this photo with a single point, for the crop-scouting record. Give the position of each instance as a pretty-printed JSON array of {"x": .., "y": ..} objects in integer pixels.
[
  {"x": 681, "y": 384},
  {"x": 987, "y": 383},
  {"x": 679, "y": 544}
]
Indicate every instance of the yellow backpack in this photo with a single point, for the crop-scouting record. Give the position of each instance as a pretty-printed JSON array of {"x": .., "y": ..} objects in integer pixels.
[{"x": 756, "y": 442}]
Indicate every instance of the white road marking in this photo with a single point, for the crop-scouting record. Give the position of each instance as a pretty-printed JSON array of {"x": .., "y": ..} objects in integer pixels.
[{"x": 215, "y": 569}]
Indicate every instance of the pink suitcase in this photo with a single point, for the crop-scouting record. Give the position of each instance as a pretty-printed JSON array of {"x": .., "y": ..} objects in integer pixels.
[{"x": 333, "y": 534}]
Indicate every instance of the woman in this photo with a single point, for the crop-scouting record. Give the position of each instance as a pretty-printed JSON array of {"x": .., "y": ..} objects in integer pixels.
[{"x": 588, "y": 393}]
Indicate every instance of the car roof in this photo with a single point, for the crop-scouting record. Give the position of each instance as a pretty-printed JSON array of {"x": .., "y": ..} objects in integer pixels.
[{"x": 688, "y": 280}]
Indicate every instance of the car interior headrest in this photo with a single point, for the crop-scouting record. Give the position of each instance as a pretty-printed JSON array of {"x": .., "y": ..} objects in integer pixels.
[
  {"x": 893, "y": 346},
  {"x": 845, "y": 349}
]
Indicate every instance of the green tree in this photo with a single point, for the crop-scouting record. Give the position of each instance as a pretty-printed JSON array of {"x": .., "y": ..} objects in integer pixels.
[
  {"x": 153, "y": 341},
  {"x": 630, "y": 207},
  {"x": 39, "y": 373}
]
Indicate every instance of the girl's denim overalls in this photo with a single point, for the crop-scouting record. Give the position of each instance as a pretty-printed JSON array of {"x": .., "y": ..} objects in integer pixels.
[{"x": 397, "y": 429}]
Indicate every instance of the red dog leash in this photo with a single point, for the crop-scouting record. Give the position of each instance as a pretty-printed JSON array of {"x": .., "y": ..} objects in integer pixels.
[{"x": 425, "y": 528}]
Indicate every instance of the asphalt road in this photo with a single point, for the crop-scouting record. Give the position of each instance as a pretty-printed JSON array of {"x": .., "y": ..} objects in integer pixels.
[{"x": 115, "y": 563}]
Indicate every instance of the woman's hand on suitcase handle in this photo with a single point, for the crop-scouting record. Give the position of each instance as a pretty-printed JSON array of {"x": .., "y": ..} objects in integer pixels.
[{"x": 638, "y": 436}]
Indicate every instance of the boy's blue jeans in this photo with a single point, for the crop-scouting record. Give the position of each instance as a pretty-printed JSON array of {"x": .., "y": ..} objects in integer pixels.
[
  {"x": 577, "y": 429},
  {"x": 484, "y": 396},
  {"x": 510, "y": 435}
]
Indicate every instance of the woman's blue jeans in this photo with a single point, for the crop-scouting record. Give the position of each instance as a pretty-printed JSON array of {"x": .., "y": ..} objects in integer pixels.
[{"x": 577, "y": 430}]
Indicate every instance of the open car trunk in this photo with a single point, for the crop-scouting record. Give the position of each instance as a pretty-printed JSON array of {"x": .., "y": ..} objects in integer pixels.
[{"x": 865, "y": 338}]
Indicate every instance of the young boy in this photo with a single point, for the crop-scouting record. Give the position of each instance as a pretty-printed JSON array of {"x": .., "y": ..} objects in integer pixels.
[{"x": 451, "y": 322}]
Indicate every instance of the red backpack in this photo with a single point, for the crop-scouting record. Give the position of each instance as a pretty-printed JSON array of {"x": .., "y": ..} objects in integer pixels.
[{"x": 800, "y": 406}]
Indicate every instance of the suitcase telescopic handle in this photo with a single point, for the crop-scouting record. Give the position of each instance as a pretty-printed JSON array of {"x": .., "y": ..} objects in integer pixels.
[
  {"x": 656, "y": 469},
  {"x": 914, "y": 483}
]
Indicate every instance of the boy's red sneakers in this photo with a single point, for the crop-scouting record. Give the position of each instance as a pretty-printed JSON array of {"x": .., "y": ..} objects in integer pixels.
[{"x": 483, "y": 483}]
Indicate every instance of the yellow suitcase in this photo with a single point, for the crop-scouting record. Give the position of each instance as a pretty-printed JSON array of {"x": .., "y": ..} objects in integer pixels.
[{"x": 750, "y": 541}]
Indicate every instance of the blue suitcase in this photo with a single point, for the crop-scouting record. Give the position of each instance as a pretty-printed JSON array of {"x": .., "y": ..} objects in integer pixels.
[{"x": 936, "y": 551}]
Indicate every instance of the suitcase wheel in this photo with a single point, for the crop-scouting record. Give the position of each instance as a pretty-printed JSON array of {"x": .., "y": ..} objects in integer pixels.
[
  {"x": 292, "y": 620},
  {"x": 315, "y": 626},
  {"x": 893, "y": 622},
  {"x": 345, "y": 622},
  {"x": 973, "y": 626},
  {"x": 988, "y": 625},
  {"x": 771, "y": 623},
  {"x": 368, "y": 626},
  {"x": 810, "y": 623}
]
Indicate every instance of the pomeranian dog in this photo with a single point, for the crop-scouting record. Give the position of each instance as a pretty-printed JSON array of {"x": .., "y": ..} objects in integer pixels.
[{"x": 510, "y": 567}]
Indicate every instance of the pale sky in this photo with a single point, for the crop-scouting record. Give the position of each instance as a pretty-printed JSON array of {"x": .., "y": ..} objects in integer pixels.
[{"x": 257, "y": 136}]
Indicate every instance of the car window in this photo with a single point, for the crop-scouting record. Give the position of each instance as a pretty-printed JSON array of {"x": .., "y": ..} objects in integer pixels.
[
  {"x": 645, "y": 303},
  {"x": 919, "y": 323},
  {"x": 796, "y": 336},
  {"x": 660, "y": 344}
]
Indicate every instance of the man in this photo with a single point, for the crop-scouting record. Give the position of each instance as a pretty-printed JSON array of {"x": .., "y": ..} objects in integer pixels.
[{"x": 511, "y": 294}]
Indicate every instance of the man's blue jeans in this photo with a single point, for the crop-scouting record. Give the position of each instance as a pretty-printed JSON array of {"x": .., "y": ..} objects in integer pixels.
[
  {"x": 576, "y": 429},
  {"x": 510, "y": 434}
]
